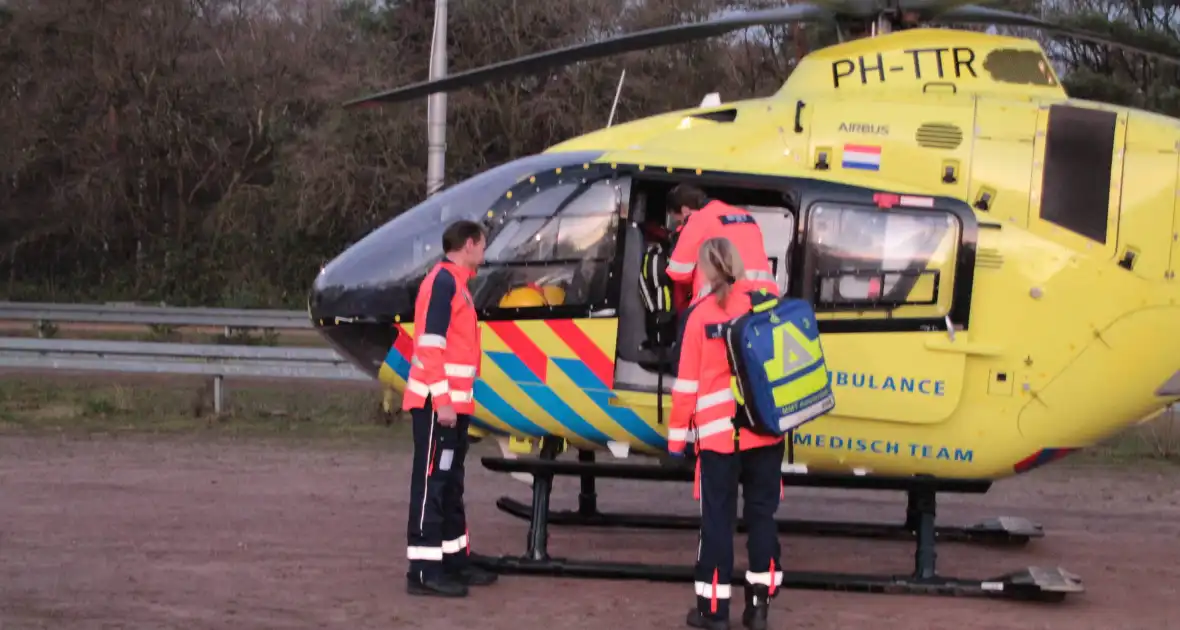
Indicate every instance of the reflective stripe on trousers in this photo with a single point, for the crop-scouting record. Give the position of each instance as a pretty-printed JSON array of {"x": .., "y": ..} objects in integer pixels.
[
  {"x": 459, "y": 544},
  {"x": 706, "y": 590},
  {"x": 765, "y": 579},
  {"x": 436, "y": 554}
]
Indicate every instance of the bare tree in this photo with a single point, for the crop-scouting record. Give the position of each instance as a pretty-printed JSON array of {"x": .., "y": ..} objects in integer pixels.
[{"x": 194, "y": 151}]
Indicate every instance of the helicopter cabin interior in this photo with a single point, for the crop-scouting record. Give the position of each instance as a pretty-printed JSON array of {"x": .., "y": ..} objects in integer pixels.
[
  {"x": 639, "y": 360},
  {"x": 852, "y": 261},
  {"x": 571, "y": 246}
]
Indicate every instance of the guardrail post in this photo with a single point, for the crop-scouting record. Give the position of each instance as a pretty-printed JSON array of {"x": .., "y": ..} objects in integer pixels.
[
  {"x": 218, "y": 394},
  {"x": 387, "y": 408}
]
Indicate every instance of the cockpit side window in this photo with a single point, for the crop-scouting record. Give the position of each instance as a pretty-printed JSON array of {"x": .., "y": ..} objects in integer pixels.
[
  {"x": 870, "y": 262},
  {"x": 551, "y": 253},
  {"x": 523, "y": 240}
]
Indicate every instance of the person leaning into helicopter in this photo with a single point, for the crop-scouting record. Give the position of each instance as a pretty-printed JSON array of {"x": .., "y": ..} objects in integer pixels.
[
  {"x": 703, "y": 404},
  {"x": 439, "y": 396},
  {"x": 705, "y": 218},
  {"x": 662, "y": 298},
  {"x": 662, "y": 242}
]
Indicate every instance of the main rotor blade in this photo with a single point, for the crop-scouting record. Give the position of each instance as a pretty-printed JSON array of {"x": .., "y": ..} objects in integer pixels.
[
  {"x": 871, "y": 9},
  {"x": 935, "y": 8},
  {"x": 641, "y": 40},
  {"x": 983, "y": 15}
]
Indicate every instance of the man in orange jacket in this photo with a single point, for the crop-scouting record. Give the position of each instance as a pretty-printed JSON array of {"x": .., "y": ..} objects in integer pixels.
[
  {"x": 706, "y": 218},
  {"x": 440, "y": 398}
]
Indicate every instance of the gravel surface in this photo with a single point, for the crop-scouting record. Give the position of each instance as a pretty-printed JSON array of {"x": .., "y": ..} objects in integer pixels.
[{"x": 174, "y": 533}]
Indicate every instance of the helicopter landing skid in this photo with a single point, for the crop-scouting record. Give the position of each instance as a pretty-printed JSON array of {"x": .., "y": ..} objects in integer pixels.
[
  {"x": 1035, "y": 583},
  {"x": 1031, "y": 584},
  {"x": 1003, "y": 530}
]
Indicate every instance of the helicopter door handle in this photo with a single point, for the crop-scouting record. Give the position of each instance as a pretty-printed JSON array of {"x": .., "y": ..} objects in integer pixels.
[
  {"x": 942, "y": 84},
  {"x": 979, "y": 349},
  {"x": 799, "y": 105},
  {"x": 606, "y": 312}
]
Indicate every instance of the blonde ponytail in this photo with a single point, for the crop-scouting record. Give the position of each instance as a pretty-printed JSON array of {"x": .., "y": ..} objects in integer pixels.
[{"x": 722, "y": 267}]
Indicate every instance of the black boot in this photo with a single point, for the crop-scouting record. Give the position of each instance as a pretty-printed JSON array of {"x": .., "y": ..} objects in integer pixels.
[
  {"x": 757, "y": 607},
  {"x": 697, "y": 619},
  {"x": 441, "y": 586},
  {"x": 472, "y": 575}
]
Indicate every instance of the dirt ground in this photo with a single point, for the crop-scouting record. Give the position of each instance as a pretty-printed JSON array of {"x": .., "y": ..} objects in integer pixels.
[{"x": 179, "y": 533}]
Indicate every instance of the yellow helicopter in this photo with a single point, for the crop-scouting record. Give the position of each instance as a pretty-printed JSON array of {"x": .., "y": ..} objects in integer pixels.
[{"x": 993, "y": 264}]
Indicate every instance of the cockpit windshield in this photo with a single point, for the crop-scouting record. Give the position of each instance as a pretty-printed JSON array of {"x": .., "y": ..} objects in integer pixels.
[
  {"x": 377, "y": 277},
  {"x": 555, "y": 248}
]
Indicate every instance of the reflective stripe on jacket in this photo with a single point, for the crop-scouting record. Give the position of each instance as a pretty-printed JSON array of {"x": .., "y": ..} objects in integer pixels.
[
  {"x": 702, "y": 398},
  {"x": 720, "y": 219},
  {"x": 446, "y": 342}
]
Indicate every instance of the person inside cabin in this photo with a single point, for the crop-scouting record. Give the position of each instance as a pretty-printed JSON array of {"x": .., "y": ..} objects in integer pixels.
[
  {"x": 703, "y": 404},
  {"x": 662, "y": 298},
  {"x": 705, "y": 218}
]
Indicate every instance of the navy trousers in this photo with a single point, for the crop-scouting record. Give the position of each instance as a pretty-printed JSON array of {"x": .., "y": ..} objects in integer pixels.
[
  {"x": 436, "y": 531},
  {"x": 758, "y": 473}
]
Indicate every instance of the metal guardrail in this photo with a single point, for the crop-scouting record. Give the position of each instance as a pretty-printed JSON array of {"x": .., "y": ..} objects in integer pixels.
[
  {"x": 177, "y": 358},
  {"x": 157, "y": 315},
  {"x": 140, "y": 357}
]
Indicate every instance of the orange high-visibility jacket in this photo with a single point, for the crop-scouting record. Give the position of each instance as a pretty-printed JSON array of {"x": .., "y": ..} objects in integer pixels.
[
  {"x": 446, "y": 342},
  {"x": 702, "y": 400},
  {"x": 681, "y": 298},
  {"x": 720, "y": 219}
]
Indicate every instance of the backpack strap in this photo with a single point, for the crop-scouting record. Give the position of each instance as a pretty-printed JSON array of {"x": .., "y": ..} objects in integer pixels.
[
  {"x": 650, "y": 285},
  {"x": 761, "y": 300}
]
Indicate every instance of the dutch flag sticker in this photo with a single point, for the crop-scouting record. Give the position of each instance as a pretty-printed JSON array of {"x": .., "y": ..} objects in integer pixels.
[{"x": 862, "y": 157}]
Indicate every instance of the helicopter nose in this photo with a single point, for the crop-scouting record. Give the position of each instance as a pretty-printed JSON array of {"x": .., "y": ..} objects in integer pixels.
[
  {"x": 347, "y": 315},
  {"x": 358, "y": 296}
]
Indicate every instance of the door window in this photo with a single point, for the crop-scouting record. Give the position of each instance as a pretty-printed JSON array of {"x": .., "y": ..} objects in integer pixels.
[
  {"x": 778, "y": 232},
  {"x": 877, "y": 262}
]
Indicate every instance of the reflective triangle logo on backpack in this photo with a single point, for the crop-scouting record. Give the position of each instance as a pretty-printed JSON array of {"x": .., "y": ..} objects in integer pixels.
[{"x": 781, "y": 380}]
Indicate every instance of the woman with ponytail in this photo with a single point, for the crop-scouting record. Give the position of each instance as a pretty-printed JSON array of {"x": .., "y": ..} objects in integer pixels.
[
  {"x": 722, "y": 267},
  {"x": 703, "y": 408}
]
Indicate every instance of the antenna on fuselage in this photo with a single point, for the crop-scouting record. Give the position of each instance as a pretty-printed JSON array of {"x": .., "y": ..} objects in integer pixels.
[{"x": 615, "y": 104}]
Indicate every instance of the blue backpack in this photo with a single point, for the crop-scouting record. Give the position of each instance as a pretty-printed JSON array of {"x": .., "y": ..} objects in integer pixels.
[{"x": 781, "y": 380}]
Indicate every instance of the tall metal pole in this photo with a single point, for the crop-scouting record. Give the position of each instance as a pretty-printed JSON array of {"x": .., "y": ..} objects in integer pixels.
[
  {"x": 436, "y": 130},
  {"x": 436, "y": 104},
  {"x": 614, "y": 105}
]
